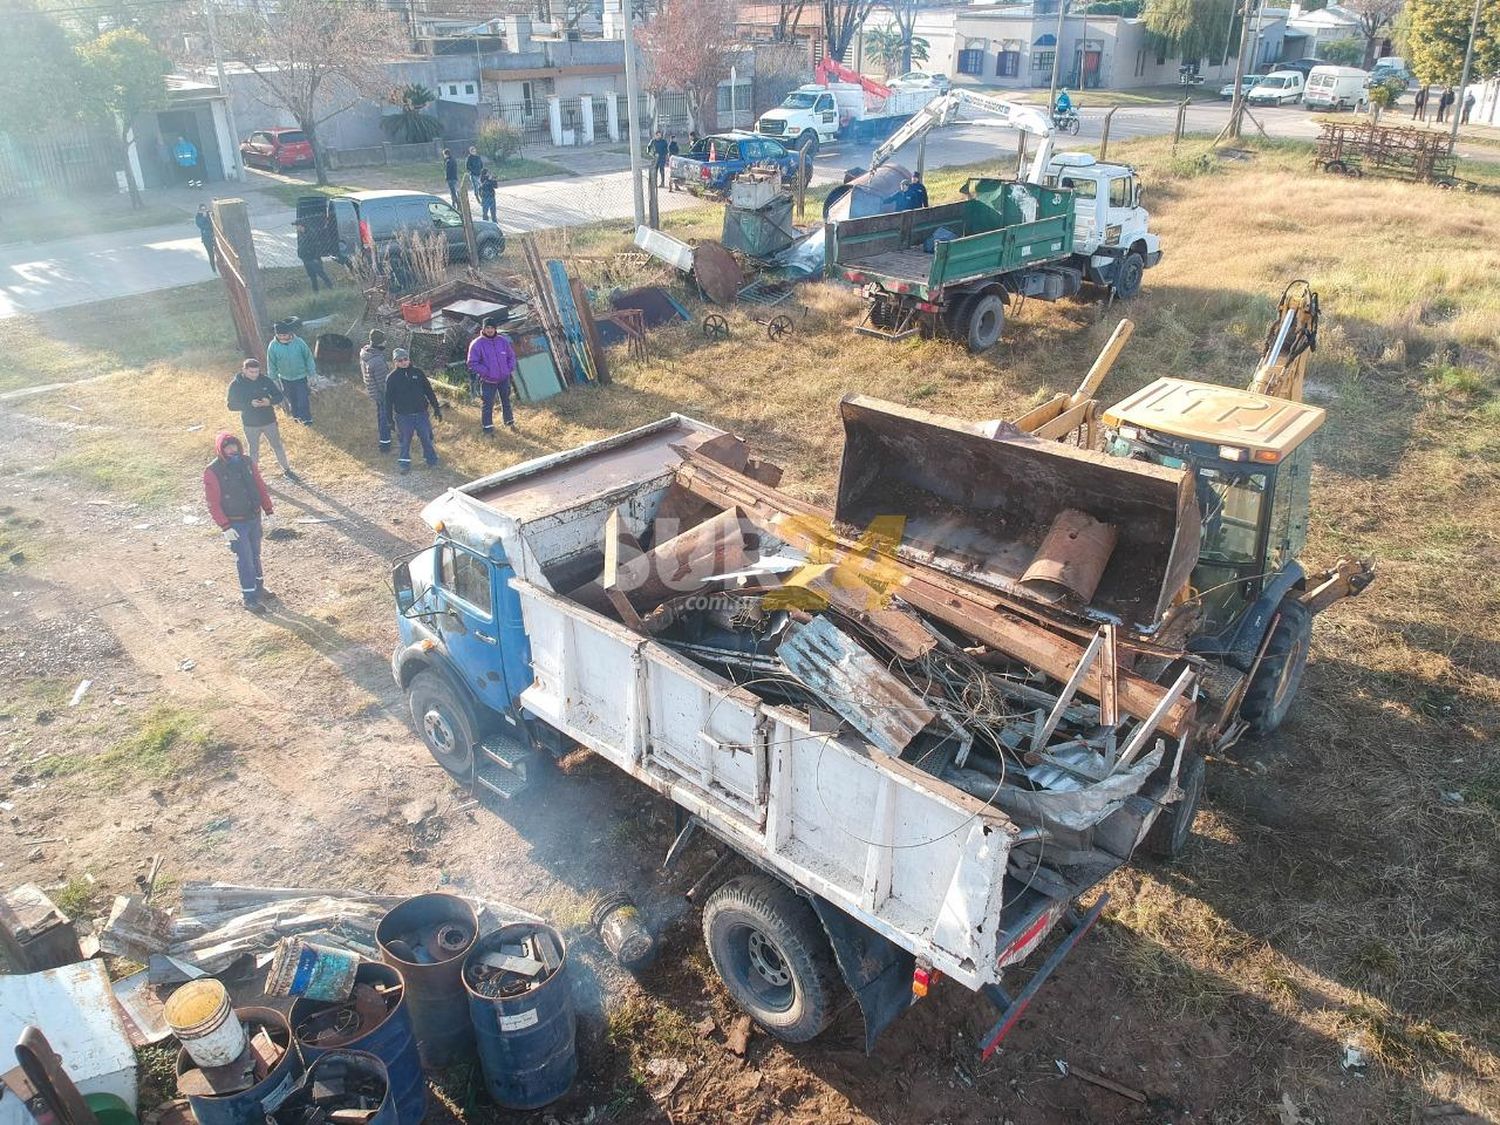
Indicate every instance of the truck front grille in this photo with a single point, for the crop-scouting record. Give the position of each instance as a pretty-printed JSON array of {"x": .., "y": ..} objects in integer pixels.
[{"x": 771, "y": 127}]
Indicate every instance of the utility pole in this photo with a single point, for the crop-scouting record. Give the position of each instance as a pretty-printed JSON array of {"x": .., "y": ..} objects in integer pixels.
[
  {"x": 632, "y": 92},
  {"x": 1463, "y": 80},
  {"x": 234, "y": 134},
  {"x": 1237, "y": 106},
  {"x": 1062, "y": 6}
]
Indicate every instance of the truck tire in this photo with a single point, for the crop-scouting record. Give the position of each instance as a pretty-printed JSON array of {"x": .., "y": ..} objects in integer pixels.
[
  {"x": 1169, "y": 835},
  {"x": 984, "y": 320},
  {"x": 446, "y": 722},
  {"x": 771, "y": 953},
  {"x": 1128, "y": 279},
  {"x": 1270, "y": 694},
  {"x": 809, "y": 140}
]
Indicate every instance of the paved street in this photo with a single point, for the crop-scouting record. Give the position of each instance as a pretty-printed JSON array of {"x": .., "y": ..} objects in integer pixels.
[{"x": 38, "y": 277}]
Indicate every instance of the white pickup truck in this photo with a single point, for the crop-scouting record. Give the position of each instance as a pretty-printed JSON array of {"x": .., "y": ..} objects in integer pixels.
[{"x": 884, "y": 869}]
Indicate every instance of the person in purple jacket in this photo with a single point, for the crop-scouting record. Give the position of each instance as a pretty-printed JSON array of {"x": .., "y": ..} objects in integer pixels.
[{"x": 492, "y": 361}]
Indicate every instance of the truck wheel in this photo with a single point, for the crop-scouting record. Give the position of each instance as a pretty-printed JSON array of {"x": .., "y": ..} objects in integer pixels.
[
  {"x": 985, "y": 322},
  {"x": 1128, "y": 281},
  {"x": 809, "y": 141},
  {"x": 771, "y": 953},
  {"x": 1269, "y": 696},
  {"x": 446, "y": 721},
  {"x": 1169, "y": 835}
]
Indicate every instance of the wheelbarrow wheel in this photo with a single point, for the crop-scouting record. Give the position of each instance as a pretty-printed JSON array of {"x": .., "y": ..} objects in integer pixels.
[
  {"x": 715, "y": 327},
  {"x": 778, "y": 328}
]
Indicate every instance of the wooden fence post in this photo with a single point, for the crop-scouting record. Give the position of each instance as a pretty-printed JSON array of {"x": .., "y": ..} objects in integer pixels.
[{"x": 235, "y": 246}]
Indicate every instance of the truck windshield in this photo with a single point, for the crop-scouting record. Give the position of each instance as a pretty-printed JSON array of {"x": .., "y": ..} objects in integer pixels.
[
  {"x": 796, "y": 100},
  {"x": 1231, "y": 507}
]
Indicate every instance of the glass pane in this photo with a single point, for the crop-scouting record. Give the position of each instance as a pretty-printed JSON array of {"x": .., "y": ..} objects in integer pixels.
[
  {"x": 1231, "y": 516},
  {"x": 467, "y": 577},
  {"x": 1119, "y": 191}
]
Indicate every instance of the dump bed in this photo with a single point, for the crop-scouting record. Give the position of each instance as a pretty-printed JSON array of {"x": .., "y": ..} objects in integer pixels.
[{"x": 1006, "y": 226}]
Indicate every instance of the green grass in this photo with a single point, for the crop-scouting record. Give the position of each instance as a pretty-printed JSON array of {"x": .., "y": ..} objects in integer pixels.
[
  {"x": 35, "y": 223},
  {"x": 290, "y": 193},
  {"x": 76, "y": 898},
  {"x": 525, "y": 168},
  {"x": 120, "y": 468},
  {"x": 168, "y": 742},
  {"x": 1092, "y": 99}
]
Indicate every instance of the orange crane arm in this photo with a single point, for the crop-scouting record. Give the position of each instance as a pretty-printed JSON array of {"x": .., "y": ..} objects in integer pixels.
[{"x": 831, "y": 70}]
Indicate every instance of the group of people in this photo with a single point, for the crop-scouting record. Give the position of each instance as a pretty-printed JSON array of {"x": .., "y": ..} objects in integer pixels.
[
  {"x": 405, "y": 405},
  {"x": 1445, "y": 103},
  {"x": 481, "y": 182},
  {"x": 662, "y": 147}
]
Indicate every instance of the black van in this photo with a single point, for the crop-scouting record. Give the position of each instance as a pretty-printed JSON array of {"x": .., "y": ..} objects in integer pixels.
[{"x": 373, "y": 219}]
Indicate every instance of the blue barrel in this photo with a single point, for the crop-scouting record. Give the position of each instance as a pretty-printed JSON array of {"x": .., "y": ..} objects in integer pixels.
[
  {"x": 526, "y": 1042},
  {"x": 392, "y": 1041},
  {"x": 250, "y": 1107},
  {"x": 331, "y": 1077},
  {"x": 434, "y": 984}
]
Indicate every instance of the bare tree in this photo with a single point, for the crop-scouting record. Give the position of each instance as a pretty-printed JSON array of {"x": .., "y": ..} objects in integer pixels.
[
  {"x": 841, "y": 19},
  {"x": 689, "y": 46},
  {"x": 1374, "y": 17},
  {"x": 788, "y": 16},
  {"x": 314, "y": 58},
  {"x": 905, "y": 12}
]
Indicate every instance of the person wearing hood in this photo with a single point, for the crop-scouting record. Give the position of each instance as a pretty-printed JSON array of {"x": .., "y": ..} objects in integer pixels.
[
  {"x": 375, "y": 369},
  {"x": 236, "y": 498},
  {"x": 492, "y": 361},
  {"x": 255, "y": 397}
]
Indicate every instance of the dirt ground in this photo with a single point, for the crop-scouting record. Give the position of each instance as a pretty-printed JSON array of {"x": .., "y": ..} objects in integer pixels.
[{"x": 1306, "y": 916}]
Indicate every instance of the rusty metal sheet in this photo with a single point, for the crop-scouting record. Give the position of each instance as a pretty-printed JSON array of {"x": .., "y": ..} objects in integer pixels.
[
  {"x": 855, "y": 685},
  {"x": 717, "y": 272}
]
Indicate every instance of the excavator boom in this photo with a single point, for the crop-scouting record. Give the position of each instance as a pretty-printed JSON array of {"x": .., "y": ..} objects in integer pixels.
[
  {"x": 1290, "y": 342},
  {"x": 1023, "y": 118}
]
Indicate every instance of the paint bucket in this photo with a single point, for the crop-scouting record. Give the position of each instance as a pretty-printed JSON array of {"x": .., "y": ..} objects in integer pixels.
[
  {"x": 527, "y": 1043},
  {"x": 319, "y": 972},
  {"x": 391, "y": 1040},
  {"x": 434, "y": 984},
  {"x": 250, "y": 1107},
  {"x": 619, "y": 923},
  {"x": 200, "y": 1015}
]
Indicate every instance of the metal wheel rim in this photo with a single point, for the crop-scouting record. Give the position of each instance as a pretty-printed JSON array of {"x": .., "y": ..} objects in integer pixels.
[
  {"x": 715, "y": 327},
  {"x": 780, "y": 326},
  {"x": 767, "y": 960},
  {"x": 761, "y": 968},
  {"x": 438, "y": 732},
  {"x": 986, "y": 321}
]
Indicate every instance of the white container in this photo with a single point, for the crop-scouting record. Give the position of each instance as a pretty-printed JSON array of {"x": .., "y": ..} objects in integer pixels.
[{"x": 201, "y": 1016}]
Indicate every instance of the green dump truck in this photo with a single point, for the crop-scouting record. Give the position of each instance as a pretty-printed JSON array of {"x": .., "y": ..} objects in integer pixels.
[{"x": 951, "y": 268}]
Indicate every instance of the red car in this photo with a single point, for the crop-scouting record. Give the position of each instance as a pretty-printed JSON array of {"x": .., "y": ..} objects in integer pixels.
[{"x": 277, "y": 149}]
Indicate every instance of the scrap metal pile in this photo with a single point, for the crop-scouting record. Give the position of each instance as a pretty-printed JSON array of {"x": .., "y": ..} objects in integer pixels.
[{"x": 513, "y": 962}]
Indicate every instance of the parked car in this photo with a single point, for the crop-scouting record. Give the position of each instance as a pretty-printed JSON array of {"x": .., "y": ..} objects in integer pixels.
[
  {"x": 1247, "y": 83},
  {"x": 277, "y": 149},
  {"x": 1303, "y": 67},
  {"x": 716, "y": 160},
  {"x": 1337, "y": 87},
  {"x": 1282, "y": 87},
  {"x": 1391, "y": 67},
  {"x": 374, "y": 219},
  {"x": 938, "y": 82}
]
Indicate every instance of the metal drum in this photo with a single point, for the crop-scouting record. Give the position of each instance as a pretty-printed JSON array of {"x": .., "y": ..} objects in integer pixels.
[
  {"x": 526, "y": 1041},
  {"x": 434, "y": 980},
  {"x": 341, "y": 1080},
  {"x": 250, "y": 1107},
  {"x": 391, "y": 1040}
]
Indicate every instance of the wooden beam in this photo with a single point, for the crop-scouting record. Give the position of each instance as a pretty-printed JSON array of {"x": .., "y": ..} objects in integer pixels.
[{"x": 1103, "y": 362}]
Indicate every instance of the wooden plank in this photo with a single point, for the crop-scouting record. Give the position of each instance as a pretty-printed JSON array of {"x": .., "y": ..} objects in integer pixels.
[
  {"x": 614, "y": 536},
  {"x": 1040, "y": 415},
  {"x": 1066, "y": 422},
  {"x": 1103, "y": 362},
  {"x": 590, "y": 331}
]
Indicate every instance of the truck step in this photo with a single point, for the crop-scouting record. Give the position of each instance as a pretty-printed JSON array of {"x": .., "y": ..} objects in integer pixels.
[
  {"x": 500, "y": 781},
  {"x": 508, "y": 753}
]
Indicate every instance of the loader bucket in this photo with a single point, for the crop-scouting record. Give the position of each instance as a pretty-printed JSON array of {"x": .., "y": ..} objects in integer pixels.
[{"x": 984, "y": 509}]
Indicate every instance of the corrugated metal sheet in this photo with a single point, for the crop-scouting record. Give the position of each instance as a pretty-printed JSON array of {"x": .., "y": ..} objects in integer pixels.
[{"x": 855, "y": 685}]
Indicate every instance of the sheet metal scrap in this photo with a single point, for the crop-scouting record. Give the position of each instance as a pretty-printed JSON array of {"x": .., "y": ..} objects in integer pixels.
[
  {"x": 515, "y": 967},
  {"x": 855, "y": 685},
  {"x": 333, "y": 1025}
]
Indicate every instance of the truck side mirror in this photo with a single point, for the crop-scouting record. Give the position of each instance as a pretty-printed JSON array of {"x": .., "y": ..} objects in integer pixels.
[{"x": 406, "y": 595}]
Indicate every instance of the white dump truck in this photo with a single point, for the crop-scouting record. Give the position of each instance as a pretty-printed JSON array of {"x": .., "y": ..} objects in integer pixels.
[{"x": 841, "y": 103}]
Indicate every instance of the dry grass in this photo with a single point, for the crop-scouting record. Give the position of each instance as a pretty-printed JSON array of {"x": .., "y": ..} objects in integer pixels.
[{"x": 1343, "y": 886}]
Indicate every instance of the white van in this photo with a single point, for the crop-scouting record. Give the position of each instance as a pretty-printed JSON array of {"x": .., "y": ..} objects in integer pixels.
[
  {"x": 1337, "y": 87},
  {"x": 1280, "y": 87}
]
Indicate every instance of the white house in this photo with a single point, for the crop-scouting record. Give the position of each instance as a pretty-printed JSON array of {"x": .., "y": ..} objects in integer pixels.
[{"x": 1332, "y": 24}]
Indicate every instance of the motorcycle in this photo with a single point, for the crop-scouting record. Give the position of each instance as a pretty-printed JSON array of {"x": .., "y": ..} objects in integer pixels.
[{"x": 1065, "y": 121}]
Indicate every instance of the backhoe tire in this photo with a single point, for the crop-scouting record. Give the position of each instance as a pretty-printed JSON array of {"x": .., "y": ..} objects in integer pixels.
[
  {"x": 1169, "y": 835},
  {"x": 446, "y": 721},
  {"x": 1128, "y": 280},
  {"x": 983, "y": 322},
  {"x": 1271, "y": 692},
  {"x": 770, "y": 950}
]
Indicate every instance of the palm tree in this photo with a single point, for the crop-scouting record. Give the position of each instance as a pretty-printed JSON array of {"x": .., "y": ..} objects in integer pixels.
[
  {"x": 412, "y": 126},
  {"x": 884, "y": 45}
]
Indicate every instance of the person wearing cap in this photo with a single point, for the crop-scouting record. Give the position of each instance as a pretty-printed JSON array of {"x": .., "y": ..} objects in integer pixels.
[
  {"x": 236, "y": 498},
  {"x": 290, "y": 362},
  {"x": 375, "y": 368},
  {"x": 492, "y": 361},
  {"x": 255, "y": 397},
  {"x": 408, "y": 394}
]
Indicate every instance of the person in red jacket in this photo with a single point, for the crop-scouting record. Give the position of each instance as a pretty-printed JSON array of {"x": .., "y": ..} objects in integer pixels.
[{"x": 236, "y": 498}]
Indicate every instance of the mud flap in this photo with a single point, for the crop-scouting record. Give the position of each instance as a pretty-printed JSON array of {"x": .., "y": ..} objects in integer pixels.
[{"x": 877, "y": 970}]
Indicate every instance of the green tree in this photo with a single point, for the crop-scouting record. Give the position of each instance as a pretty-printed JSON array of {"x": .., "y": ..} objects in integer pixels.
[
  {"x": 42, "y": 79},
  {"x": 1193, "y": 29},
  {"x": 124, "y": 77},
  {"x": 413, "y": 124},
  {"x": 1344, "y": 52},
  {"x": 1438, "y": 33},
  {"x": 888, "y": 46}
]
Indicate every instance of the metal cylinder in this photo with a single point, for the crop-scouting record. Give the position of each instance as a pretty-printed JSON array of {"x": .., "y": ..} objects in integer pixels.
[
  {"x": 526, "y": 1042},
  {"x": 392, "y": 1041},
  {"x": 250, "y": 1107},
  {"x": 200, "y": 1015},
  {"x": 1072, "y": 557},
  {"x": 619, "y": 923},
  {"x": 331, "y": 1079},
  {"x": 304, "y": 968},
  {"x": 434, "y": 987}
]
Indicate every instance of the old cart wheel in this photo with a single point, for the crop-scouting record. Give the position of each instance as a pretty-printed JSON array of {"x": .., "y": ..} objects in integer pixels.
[
  {"x": 1128, "y": 282},
  {"x": 1270, "y": 695},
  {"x": 715, "y": 327},
  {"x": 770, "y": 950},
  {"x": 446, "y": 722},
  {"x": 986, "y": 321},
  {"x": 778, "y": 328},
  {"x": 1169, "y": 835},
  {"x": 1335, "y": 167}
]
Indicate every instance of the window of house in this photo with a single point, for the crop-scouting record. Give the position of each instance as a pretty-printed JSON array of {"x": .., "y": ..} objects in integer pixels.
[
  {"x": 1042, "y": 60},
  {"x": 468, "y": 87},
  {"x": 1161, "y": 52},
  {"x": 452, "y": 89},
  {"x": 467, "y": 577},
  {"x": 971, "y": 61},
  {"x": 528, "y": 99},
  {"x": 1008, "y": 59}
]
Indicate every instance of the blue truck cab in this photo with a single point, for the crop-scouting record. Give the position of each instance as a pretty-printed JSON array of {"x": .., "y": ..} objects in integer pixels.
[{"x": 731, "y": 154}]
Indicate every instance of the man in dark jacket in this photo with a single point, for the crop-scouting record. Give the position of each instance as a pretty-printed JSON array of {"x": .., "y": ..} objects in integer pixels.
[
  {"x": 407, "y": 397},
  {"x": 312, "y": 245},
  {"x": 474, "y": 165},
  {"x": 255, "y": 397},
  {"x": 205, "y": 223},
  {"x": 658, "y": 150},
  {"x": 375, "y": 368},
  {"x": 487, "y": 197},
  {"x": 236, "y": 498},
  {"x": 450, "y": 173}
]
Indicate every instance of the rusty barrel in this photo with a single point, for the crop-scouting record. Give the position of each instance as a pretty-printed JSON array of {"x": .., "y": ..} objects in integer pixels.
[
  {"x": 341, "y": 1080},
  {"x": 426, "y": 938},
  {"x": 250, "y": 1107},
  {"x": 391, "y": 1040},
  {"x": 526, "y": 1041}
]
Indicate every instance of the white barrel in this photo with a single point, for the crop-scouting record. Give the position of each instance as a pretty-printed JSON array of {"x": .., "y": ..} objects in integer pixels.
[{"x": 200, "y": 1015}]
